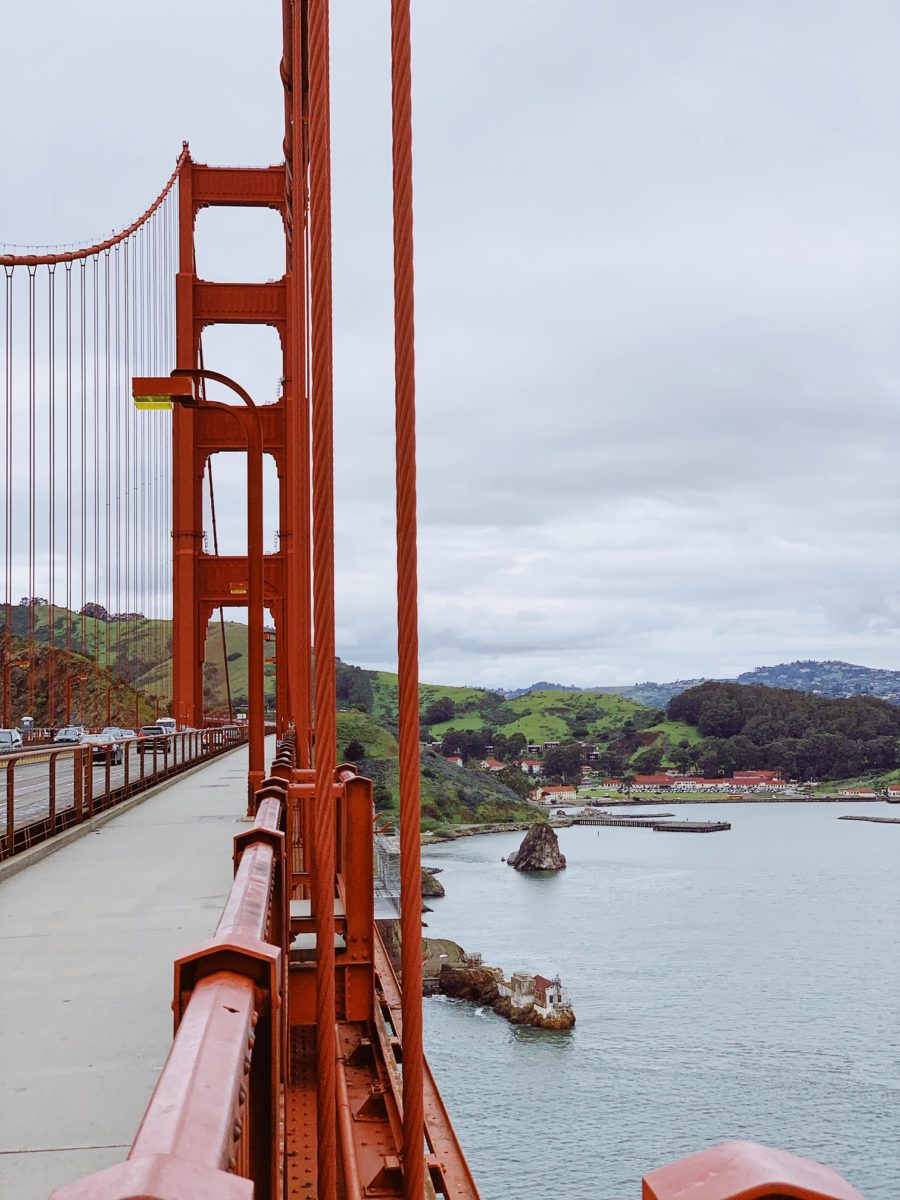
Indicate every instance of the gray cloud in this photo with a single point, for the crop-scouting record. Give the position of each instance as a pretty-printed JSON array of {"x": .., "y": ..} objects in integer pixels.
[{"x": 658, "y": 271}]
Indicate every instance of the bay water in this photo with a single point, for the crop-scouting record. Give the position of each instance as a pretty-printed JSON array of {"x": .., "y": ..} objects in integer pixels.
[{"x": 743, "y": 984}]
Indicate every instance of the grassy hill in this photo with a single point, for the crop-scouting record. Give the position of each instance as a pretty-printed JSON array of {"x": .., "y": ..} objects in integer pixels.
[{"x": 94, "y": 691}]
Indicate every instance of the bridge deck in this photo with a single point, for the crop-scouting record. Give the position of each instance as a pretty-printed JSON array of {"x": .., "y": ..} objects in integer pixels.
[{"x": 87, "y": 940}]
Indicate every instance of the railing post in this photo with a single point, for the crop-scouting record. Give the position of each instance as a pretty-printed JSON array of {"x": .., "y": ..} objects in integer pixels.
[
  {"x": 87, "y": 767},
  {"x": 125, "y": 772},
  {"x": 78, "y": 786},
  {"x": 11, "y": 807},
  {"x": 52, "y": 791}
]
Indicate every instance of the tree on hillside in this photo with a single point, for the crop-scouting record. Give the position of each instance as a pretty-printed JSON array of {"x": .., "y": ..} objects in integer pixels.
[
  {"x": 684, "y": 756},
  {"x": 648, "y": 761},
  {"x": 354, "y": 751},
  {"x": 467, "y": 743},
  {"x": 353, "y": 686},
  {"x": 516, "y": 780},
  {"x": 612, "y": 762},
  {"x": 564, "y": 762},
  {"x": 439, "y": 711},
  {"x": 507, "y": 749}
]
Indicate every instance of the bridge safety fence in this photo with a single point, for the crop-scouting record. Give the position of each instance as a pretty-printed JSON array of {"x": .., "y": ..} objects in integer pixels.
[{"x": 47, "y": 790}]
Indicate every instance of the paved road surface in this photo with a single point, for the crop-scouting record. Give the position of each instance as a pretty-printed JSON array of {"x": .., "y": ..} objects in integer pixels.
[{"x": 87, "y": 940}]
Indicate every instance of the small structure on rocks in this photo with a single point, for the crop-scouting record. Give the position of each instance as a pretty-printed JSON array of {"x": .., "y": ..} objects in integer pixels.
[{"x": 539, "y": 850}]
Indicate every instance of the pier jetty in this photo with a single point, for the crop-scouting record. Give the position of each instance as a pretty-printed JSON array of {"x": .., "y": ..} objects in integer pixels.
[
  {"x": 874, "y": 820},
  {"x": 663, "y": 826}
]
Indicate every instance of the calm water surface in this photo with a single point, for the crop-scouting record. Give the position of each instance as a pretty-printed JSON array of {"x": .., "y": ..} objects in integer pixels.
[{"x": 728, "y": 985}]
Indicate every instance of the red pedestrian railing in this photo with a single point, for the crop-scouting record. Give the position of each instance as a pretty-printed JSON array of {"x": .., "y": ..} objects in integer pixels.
[{"x": 48, "y": 790}]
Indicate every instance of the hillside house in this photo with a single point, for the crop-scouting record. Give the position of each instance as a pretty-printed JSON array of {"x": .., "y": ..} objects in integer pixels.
[
  {"x": 531, "y": 766},
  {"x": 455, "y": 759},
  {"x": 492, "y": 764},
  {"x": 565, "y": 793}
]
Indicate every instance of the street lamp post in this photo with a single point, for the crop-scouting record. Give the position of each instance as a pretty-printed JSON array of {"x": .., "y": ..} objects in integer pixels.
[{"x": 179, "y": 389}]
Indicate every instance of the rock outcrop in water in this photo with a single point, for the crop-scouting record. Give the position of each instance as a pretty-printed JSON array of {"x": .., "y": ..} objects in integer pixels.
[
  {"x": 539, "y": 850},
  {"x": 431, "y": 887}
]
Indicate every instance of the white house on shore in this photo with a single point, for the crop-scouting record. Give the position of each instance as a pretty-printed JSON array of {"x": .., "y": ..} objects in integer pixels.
[{"x": 548, "y": 997}]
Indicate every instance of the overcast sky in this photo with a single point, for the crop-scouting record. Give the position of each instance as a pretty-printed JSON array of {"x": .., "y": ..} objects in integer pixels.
[{"x": 658, "y": 305}]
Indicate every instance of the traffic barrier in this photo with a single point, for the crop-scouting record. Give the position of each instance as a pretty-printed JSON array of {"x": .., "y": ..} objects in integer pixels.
[{"x": 45, "y": 792}]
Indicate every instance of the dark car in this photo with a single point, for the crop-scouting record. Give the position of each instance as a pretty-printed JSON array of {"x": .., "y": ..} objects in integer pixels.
[{"x": 104, "y": 746}]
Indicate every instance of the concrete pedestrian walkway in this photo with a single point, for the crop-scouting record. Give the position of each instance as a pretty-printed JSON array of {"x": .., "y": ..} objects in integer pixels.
[{"x": 87, "y": 941}]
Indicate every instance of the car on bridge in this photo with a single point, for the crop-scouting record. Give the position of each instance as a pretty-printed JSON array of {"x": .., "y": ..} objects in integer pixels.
[
  {"x": 73, "y": 734},
  {"x": 152, "y": 737},
  {"x": 105, "y": 746},
  {"x": 10, "y": 739}
]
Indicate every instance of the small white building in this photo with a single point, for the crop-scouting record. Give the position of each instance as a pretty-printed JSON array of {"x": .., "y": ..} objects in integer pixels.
[{"x": 547, "y": 997}]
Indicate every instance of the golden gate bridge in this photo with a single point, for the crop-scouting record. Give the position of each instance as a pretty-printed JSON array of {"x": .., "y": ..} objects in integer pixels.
[{"x": 297, "y": 1066}]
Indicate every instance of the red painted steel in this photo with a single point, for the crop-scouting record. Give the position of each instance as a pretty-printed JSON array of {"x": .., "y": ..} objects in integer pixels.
[{"x": 746, "y": 1171}]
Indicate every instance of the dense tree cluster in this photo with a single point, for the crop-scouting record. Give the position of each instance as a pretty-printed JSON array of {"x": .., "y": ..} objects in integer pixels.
[
  {"x": 563, "y": 762},
  {"x": 354, "y": 686},
  {"x": 801, "y": 735}
]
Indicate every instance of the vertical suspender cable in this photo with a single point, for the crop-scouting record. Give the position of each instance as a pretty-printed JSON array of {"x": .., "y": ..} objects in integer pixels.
[
  {"x": 323, "y": 594},
  {"x": 8, "y": 490},
  {"x": 120, "y": 394},
  {"x": 107, "y": 483},
  {"x": 32, "y": 482},
  {"x": 82, "y": 544},
  {"x": 51, "y": 464},
  {"x": 96, "y": 528},
  {"x": 407, "y": 605},
  {"x": 69, "y": 479}
]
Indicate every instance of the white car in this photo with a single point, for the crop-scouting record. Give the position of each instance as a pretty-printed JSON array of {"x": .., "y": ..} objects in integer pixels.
[{"x": 10, "y": 739}]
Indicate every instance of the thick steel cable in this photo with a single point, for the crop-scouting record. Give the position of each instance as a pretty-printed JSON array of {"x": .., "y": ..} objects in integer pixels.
[
  {"x": 407, "y": 606},
  {"x": 35, "y": 260},
  {"x": 323, "y": 594}
]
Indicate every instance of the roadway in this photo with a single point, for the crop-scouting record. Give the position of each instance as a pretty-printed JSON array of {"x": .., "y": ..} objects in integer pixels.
[
  {"x": 88, "y": 935},
  {"x": 32, "y": 782}
]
